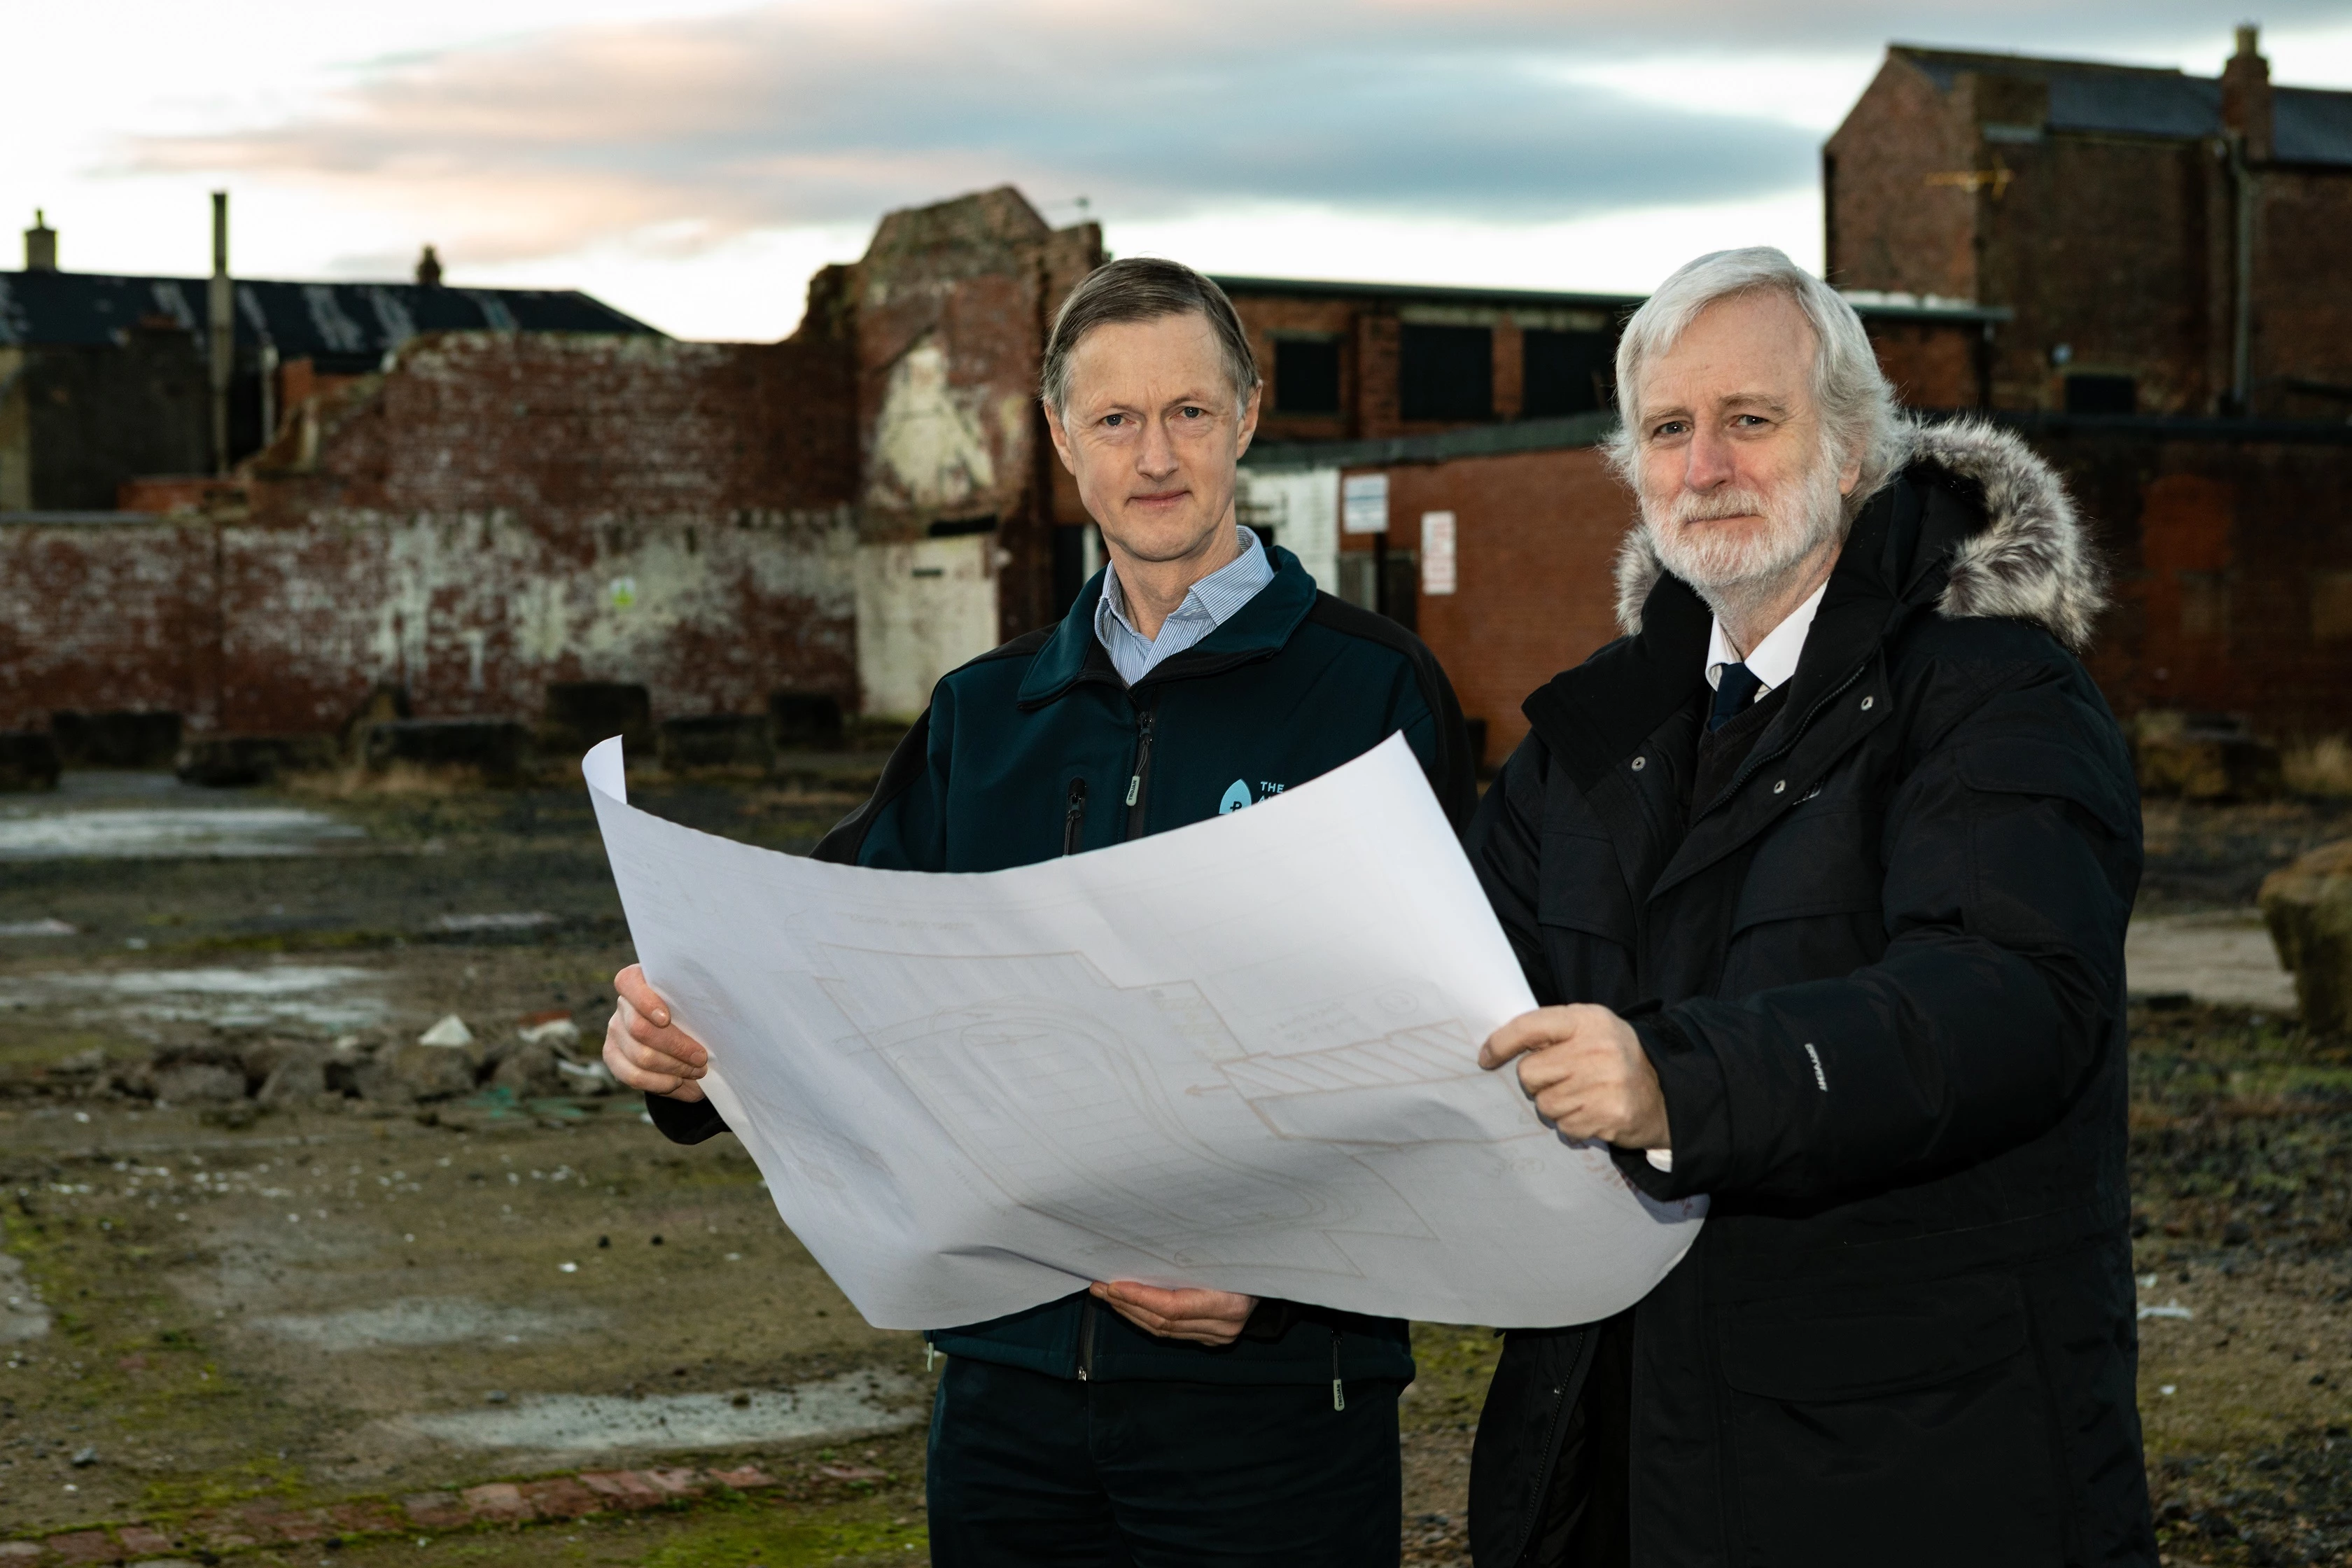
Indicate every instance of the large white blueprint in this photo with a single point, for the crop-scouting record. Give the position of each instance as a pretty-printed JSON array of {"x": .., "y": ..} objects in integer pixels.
[{"x": 1240, "y": 1055}]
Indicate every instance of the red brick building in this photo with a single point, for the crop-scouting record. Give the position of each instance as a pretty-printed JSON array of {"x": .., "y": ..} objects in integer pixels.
[{"x": 2167, "y": 244}]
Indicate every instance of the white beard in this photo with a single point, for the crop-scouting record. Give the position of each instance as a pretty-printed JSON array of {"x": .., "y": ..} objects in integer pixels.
[{"x": 1730, "y": 572}]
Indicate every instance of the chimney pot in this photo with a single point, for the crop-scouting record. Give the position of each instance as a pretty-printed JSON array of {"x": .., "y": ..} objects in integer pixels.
[
  {"x": 428, "y": 269},
  {"x": 40, "y": 245},
  {"x": 2249, "y": 39}
]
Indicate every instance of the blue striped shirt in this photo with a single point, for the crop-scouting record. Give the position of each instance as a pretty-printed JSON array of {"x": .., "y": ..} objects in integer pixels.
[{"x": 1210, "y": 604}]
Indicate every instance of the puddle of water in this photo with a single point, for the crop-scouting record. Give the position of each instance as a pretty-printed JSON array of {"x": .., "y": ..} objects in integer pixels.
[
  {"x": 2223, "y": 958},
  {"x": 521, "y": 919},
  {"x": 841, "y": 1406},
  {"x": 22, "y": 1315},
  {"x": 424, "y": 1321},
  {"x": 320, "y": 995},
  {"x": 136, "y": 832}
]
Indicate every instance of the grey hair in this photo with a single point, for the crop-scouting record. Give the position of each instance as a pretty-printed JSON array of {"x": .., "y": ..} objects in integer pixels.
[
  {"x": 1857, "y": 406},
  {"x": 1143, "y": 288}
]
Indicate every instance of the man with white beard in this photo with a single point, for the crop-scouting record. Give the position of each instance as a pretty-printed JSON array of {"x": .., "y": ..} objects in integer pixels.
[{"x": 1822, "y": 871}]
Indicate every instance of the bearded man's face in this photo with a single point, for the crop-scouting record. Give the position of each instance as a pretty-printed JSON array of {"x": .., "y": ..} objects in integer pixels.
[{"x": 1738, "y": 485}]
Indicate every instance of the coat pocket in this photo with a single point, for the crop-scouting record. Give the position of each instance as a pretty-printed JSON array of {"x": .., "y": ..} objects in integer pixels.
[
  {"x": 1582, "y": 888},
  {"x": 1905, "y": 1425}
]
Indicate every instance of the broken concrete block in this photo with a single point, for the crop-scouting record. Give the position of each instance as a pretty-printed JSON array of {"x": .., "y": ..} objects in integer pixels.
[
  {"x": 412, "y": 1072},
  {"x": 125, "y": 737},
  {"x": 716, "y": 741},
  {"x": 580, "y": 713},
  {"x": 533, "y": 1071},
  {"x": 230, "y": 761},
  {"x": 2205, "y": 757},
  {"x": 498, "y": 747},
  {"x": 805, "y": 718},
  {"x": 2308, "y": 907},
  {"x": 198, "y": 1083},
  {"x": 450, "y": 1031},
  {"x": 556, "y": 1032},
  {"x": 300, "y": 1077},
  {"x": 28, "y": 761}
]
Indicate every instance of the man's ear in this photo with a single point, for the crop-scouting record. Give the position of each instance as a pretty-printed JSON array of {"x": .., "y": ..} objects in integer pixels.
[
  {"x": 1848, "y": 476},
  {"x": 1247, "y": 426},
  {"x": 1061, "y": 436}
]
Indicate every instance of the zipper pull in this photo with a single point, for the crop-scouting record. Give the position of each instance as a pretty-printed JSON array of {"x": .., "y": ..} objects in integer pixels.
[
  {"x": 1074, "y": 819},
  {"x": 1338, "y": 1391},
  {"x": 930, "y": 1354}
]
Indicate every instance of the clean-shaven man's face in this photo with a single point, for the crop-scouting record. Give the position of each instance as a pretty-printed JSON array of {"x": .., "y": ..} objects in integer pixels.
[
  {"x": 1737, "y": 486},
  {"x": 1154, "y": 433}
]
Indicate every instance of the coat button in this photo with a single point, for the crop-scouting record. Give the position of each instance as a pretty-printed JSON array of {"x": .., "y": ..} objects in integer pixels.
[
  {"x": 1866, "y": 702},
  {"x": 1780, "y": 787},
  {"x": 1640, "y": 762}
]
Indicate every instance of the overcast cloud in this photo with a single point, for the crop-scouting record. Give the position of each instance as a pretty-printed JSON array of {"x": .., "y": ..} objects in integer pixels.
[{"x": 683, "y": 134}]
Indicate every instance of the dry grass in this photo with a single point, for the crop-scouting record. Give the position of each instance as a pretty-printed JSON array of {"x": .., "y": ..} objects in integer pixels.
[{"x": 2321, "y": 767}]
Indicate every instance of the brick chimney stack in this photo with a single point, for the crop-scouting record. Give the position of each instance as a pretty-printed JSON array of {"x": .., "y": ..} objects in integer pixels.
[
  {"x": 2246, "y": 95},
  {"x": 428, "y": 269},
  {"x": 40, "y": 245}
]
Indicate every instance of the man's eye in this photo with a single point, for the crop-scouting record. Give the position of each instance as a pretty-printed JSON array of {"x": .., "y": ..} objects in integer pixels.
[
  {"x": 1671, "y": 427},
  {"x": 1191, "y": 413},
  {"x": 1114, "y": 420},
  {"x": 1750, "y": 421}
]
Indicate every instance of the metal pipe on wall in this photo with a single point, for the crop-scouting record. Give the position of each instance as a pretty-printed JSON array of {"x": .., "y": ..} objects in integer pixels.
[{"x": 220, "y": 336}]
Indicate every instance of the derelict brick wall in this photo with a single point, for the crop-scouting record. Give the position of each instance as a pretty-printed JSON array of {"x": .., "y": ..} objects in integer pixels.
[
  {"x": 1886, "y": 228},
  {"x": 497, "y": 513},
  {"x": 2109, "y": 246},
  {"x": 2302, "y": 316},
  {"x": 1537, "y": 537},
  {"x": 1264, "y": 317},
  {"x": 103, "y": 616},
  {"x": 2234, "y": 574},
  {"x": 1932, "y": 364}
]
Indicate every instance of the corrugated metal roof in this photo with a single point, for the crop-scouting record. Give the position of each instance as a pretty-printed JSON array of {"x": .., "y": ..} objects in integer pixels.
[
  {"x": 2309, "y": 125},
  {"x": 342, "y": 326}
]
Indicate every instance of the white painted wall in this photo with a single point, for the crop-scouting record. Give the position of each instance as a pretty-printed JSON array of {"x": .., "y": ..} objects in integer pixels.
[
  {"x": 923, "y": 609},
  {"x": 1302, "y": 506}
]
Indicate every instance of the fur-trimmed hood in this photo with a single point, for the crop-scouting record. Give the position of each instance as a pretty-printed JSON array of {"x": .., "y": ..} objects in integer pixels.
[{"x": 2032, "y": 560}]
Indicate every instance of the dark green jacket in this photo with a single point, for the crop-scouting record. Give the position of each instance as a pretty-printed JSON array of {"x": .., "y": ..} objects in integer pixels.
[{"x": 1038, "y": 749}]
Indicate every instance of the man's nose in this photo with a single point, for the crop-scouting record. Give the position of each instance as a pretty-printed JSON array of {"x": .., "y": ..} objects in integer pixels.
[
  {"x": 1708, "y": 462},
  {"x": 1155, "y": 455}
]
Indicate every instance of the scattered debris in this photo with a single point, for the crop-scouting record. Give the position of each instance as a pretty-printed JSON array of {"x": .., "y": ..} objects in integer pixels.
[
  {"x": 2172, "y": 1309},
  {"x": 450, "y": 1032},
  {"x": 37, "y": 928}
]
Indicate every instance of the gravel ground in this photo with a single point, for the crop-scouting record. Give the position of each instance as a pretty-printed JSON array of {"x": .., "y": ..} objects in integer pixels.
[{"x": 412, "y": 1323}]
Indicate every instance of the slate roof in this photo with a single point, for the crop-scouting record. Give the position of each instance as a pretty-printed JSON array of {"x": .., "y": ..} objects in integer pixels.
[
  {"x": 2308, "y": 125},
  {"x": 342, "y": 327}
]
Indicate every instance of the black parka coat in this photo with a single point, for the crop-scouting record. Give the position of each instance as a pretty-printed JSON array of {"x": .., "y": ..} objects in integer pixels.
[{"x": 1881, "y": 977}]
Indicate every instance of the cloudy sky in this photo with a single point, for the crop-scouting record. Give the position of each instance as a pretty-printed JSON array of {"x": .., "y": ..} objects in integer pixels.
[{"x": 692, "y": 161}]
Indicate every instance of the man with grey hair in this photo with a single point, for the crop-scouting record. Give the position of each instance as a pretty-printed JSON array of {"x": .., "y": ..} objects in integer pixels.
[
  {"x": 1822, "y": 871},
  {"x": 1124, "y": 1425}
]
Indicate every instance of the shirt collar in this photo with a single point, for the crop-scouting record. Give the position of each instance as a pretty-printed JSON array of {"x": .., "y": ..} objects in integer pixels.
[
  {"x": 1773, "y": 660},
  {"x": 1214, "y": 598}
]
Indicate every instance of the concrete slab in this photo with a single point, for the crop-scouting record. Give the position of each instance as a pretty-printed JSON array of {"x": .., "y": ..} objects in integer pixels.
[{"x": 2224, "y": 957}]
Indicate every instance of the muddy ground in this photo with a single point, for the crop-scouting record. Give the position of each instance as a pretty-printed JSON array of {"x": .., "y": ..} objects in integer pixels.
[{"x": 207, "y": 1303}]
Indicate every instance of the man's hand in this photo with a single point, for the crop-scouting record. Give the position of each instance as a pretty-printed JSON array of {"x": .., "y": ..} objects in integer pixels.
[
  {"x": 1205, "y": 1317},
  {"x": 643, "y": 1049},
  {"x": 1586, "y": 1072}
]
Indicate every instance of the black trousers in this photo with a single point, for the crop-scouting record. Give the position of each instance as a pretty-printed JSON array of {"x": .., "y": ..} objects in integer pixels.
[
  {"x": 1586, "y": 1510},
  {"x": 1030, "y": 1471}
]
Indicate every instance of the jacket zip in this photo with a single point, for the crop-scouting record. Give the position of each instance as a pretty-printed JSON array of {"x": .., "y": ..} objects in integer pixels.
[
  {"x": 1087, "y": 1339},
  {"x": 1074, "y": 818},
  {"x": 1338, "y": 1391},
  {"x": 1138, "y": 787}
]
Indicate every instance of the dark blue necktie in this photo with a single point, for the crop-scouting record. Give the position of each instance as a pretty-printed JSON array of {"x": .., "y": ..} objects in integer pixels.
[{"x": 1733, "y": 686}]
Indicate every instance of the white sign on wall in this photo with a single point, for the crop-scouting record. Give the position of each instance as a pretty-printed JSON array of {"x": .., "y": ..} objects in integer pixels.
[
  {"x": 1302, "y": 506},
  {"x": 1364, "y": 503},
  {"x": 1437, "y": 553}
]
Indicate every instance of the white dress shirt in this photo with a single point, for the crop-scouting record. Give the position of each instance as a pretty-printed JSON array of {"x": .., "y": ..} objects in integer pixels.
[{"x": 1772, "y": 662}]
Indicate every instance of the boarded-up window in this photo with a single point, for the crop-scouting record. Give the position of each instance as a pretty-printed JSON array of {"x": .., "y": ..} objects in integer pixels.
[
  {"x": 1305, "y": 375},
  {"x": 1565, "y": 373},
  {"x": 2331, "y": 606},
  {"x": 1445, "y": 373}
]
